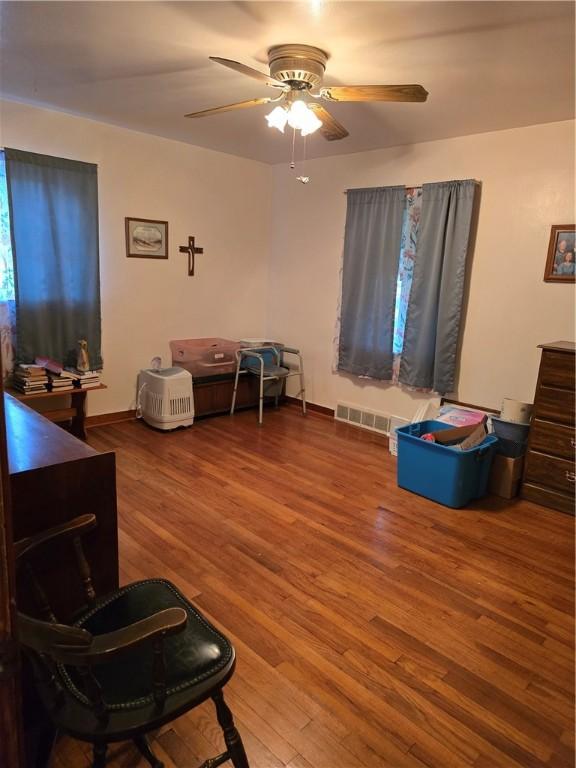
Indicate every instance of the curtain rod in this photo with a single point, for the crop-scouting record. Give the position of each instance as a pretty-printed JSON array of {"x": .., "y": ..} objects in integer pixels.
[
  {"x": 408, "y": 186},
  {"x": 415, "y": 186}
]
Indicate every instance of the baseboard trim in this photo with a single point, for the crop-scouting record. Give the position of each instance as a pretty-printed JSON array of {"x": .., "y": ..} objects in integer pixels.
[
  {"x": 102, "y": 419},
  {"x": 311, "y": 406}
]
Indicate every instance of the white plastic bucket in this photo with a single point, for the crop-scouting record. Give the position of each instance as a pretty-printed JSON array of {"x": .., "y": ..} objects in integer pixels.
[{"x": 516, "y": 411}]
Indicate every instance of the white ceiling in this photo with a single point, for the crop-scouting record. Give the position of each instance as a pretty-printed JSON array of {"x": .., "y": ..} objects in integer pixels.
[{"x": 143, "y": 65}]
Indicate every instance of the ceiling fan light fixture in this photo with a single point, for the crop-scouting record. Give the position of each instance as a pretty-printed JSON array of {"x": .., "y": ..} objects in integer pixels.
[
  {"x": 311, "y": 123},
  {"x": 302, "y": 118},
  {"x": 277, "y": 118},
  {"x": 297, "y": 114}
]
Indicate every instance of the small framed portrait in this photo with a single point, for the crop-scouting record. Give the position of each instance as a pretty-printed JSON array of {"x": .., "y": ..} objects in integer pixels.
[
  {"x": 146, "y": 238},
  {"x": 561, "y": 257}
]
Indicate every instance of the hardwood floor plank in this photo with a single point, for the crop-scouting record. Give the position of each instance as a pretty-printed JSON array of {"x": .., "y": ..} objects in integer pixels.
[
  {"x": 299, "y": 762},
  {"x": 176, "y": 748},
  {"x": 269, "y": 737}
]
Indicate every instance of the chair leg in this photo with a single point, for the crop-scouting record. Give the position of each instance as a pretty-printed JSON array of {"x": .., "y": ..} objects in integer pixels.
[
  {"x": 261, "y": 399},
  {"x": 231, "y": 735},
  {"x": 99, "y": 755},
  {"x": 145, "y": 750},
  {"x": 302, "y": 386}
]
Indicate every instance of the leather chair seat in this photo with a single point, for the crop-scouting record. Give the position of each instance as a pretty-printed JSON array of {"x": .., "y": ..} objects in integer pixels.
[{"x": 193, "y": 657}]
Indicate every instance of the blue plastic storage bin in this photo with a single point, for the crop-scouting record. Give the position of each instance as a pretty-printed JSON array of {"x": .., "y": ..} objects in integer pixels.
[{"x": 447, "y": 475}]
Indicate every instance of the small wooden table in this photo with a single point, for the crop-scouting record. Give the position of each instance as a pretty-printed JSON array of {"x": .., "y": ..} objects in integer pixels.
[{"x": 76, "y": 413}]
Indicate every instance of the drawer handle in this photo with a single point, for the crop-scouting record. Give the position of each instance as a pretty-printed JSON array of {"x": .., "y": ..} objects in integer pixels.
[{"x": 571, "y": 476}]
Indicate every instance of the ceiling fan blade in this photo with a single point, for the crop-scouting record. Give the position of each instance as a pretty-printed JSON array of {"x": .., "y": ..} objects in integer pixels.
[
  {"x": 331, "y": 128},
  {"x": 375, "y": 93},
  {"x": 245, "y": 70},
  {"x": 229, "y": 107}
]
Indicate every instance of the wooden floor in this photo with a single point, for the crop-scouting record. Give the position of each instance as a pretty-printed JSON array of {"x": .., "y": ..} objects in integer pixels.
[{"x": 372, "y": 627}]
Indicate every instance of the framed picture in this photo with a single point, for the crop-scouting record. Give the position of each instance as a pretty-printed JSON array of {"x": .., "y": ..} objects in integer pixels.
[
  {"x": 560, "y": 262},
  {"x": 146, "y": 238}
]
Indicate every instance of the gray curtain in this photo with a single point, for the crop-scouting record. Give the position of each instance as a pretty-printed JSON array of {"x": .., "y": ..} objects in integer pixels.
[
  {"x": 433, "y": 318},
  {"x": 54, "y": 219},
  {"x": 371, "y": 254}
]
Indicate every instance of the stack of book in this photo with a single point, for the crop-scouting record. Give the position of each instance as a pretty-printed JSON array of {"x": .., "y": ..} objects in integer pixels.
[
  {"x": 64, "y": 379},
  {"x": 62, "y": 382},
  {"x": 29, "y": 378},
  {"x": 59, "y": 380},
  {"x": 84, "y": 379}
]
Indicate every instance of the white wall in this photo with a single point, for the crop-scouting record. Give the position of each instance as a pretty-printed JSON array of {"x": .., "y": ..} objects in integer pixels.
[
  {"x": 221, "y": 199},
  {"x": 527, "y": 177}
]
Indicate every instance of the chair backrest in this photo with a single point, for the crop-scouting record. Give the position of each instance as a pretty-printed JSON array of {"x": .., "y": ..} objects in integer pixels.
[
  {"x": 47, "y": 641},
  {"x": 25, "y": 551},
  {"x": 270, "y": 354},
  {"x": 50, "y": 643}
]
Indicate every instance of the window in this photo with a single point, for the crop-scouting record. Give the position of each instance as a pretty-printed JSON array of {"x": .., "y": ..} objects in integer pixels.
[
  {"x": 379, "y": 253},
  {"x": 7, "y": 297},
  {"x": 403, "y": 273},
  {"x": 54, "y": 237}
]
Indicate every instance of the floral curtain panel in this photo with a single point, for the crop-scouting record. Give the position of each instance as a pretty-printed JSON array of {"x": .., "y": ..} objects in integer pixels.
[
  {"x": 7, "y": 294},
  {"x": 406, "y": 270}
]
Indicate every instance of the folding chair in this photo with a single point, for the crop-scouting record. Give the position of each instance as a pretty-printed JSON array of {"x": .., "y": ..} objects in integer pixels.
[{"x": 267, "y": 362}]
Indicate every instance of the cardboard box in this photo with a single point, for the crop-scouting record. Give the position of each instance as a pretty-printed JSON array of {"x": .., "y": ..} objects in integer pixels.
[
  {"x": 457, "y": 435},
  {"x": 505, "y": 476}
]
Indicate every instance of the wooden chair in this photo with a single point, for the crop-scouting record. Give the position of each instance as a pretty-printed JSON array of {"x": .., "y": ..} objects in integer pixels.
[{"x": 130, "y": 661}]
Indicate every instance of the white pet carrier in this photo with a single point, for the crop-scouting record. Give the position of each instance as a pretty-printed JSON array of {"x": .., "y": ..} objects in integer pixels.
[{"x": 165, "y": 397}]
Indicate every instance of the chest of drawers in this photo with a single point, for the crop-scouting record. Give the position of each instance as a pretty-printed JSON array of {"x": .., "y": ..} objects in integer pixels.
[{"x": 549, "y": 473}]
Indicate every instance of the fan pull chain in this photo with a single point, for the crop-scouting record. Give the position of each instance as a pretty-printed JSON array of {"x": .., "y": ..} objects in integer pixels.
[
  {"x": 302, "y": 178},
  {"x": 292, "y": 162}
]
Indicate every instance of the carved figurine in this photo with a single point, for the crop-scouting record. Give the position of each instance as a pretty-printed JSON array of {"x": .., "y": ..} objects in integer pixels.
[{"x": 82, "y": 361}]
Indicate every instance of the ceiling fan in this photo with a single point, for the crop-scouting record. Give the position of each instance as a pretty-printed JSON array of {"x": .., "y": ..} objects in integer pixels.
[{"x": 296, "y": 73}]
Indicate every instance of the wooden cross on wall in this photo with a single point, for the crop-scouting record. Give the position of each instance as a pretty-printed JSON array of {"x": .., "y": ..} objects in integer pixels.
[{"x": 191, "y": 249}]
